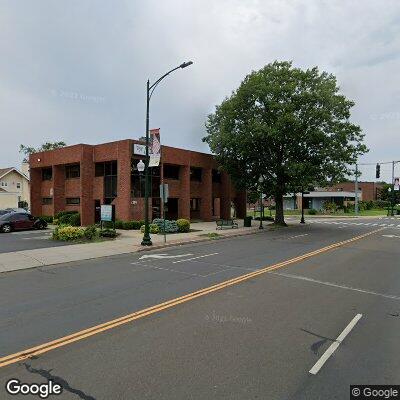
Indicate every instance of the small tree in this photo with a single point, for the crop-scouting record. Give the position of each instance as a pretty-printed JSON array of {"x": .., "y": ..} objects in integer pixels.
[{"x": 28, "y": 150}]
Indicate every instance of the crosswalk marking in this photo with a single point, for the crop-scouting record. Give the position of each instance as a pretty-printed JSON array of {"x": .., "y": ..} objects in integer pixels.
[{"x": 394, "y": 226}]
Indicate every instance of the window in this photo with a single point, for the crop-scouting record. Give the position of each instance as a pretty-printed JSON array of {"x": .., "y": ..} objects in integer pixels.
[
  {"x": 3, "y": 184},
  {"x": 47, "y": 174},
  {"x": 72, "y": 201},
  {"x": 171, "y": 171},
  {"x": 107, "y": 168},
  {"x": 195, "y": 174},
  {"x": 138, "y": 181},
  {"x": 47, "y": 201},
  {"x": 72, "y": 171},
  {"x": 18, "y": 185},
  {"x": 216, "y": 176},
  {"x": 194, "y": 204}
]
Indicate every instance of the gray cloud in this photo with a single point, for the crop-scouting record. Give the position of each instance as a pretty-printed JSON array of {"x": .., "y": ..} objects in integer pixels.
[{"x": 76, "y": 70}]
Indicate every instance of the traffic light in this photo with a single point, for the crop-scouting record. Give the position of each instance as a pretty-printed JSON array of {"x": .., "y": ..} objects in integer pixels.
[{"x": 378, "y": 171}]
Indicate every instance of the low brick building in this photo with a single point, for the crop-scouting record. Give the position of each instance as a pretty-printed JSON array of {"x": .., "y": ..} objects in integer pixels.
[
  {"x": 82, "y": 177},
  {"x": 369, "y": 190}
]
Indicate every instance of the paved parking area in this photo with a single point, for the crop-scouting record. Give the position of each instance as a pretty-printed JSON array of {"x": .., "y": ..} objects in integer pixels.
[{"x": 27, "y": 240}]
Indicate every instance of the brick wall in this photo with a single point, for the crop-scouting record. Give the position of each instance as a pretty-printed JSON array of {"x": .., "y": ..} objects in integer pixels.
[{"x": 90, "y": 188}]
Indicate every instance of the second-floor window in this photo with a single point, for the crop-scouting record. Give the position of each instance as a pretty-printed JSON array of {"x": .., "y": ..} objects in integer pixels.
[
  {"x": 72, "y": 201},
  {"x": 47, "y": 174},
  {"x": 72, "y": 171},
  {"x": 195, "y": 174}
]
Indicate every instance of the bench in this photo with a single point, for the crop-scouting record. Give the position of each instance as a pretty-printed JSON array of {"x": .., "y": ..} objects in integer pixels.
[{"x": 229, "y": 223}]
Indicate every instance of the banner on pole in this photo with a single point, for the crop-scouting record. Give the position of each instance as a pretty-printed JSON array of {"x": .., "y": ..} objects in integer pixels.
[
  {"x": 396, "y": 184},
  {"x": 155, "y": 148}
]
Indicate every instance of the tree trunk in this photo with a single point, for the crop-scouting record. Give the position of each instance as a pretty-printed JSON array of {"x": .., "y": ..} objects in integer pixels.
[{"x": 279, "y": 217}]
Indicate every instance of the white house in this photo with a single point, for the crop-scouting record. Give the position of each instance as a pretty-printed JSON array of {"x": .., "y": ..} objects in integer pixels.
[{"x": 14, "y": 187}]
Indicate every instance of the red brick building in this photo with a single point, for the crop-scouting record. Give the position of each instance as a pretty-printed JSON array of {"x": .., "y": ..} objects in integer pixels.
[
  {"x": 82, "y": 177},
  {"x": 369, "y": 190}
]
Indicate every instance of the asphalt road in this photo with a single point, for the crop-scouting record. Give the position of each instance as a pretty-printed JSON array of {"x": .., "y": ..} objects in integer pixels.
[
  {"x": 27, "y": 240},
  {"x": 254, "y": 340}
]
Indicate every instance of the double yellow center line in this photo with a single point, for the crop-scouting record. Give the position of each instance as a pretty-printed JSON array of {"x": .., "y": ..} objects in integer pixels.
[{"x": 43, "y": 348}]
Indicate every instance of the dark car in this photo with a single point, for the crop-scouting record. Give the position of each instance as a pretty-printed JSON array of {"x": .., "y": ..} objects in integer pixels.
[{"x": 19, "y": 221}]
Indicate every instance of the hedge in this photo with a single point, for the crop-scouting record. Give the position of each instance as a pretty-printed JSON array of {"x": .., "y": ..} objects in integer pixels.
[{"x": 153, "y": 228}]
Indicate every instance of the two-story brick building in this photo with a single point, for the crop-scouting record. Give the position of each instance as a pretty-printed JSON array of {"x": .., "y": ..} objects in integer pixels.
[{"x": 82, "y": 177}]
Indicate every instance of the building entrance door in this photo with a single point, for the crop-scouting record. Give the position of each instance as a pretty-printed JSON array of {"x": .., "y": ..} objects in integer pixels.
[{"x": 171, "y": 210}]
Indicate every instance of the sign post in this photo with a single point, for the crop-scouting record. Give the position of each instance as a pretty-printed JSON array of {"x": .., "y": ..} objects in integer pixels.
[
  {"x": 164, "y": 193},
  {"x": 107, "y": 214}
]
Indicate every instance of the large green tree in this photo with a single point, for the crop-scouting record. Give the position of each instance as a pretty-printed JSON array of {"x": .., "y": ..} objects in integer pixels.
[
  {"x": 27, "y": 150},
  {"x": 287, "y": 125}
]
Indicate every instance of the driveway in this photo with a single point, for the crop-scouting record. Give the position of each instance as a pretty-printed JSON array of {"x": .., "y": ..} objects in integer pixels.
[{"x": 27, "y": 240}]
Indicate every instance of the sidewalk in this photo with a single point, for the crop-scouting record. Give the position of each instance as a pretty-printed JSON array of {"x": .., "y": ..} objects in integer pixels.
[{"x": 127, "y": 242}]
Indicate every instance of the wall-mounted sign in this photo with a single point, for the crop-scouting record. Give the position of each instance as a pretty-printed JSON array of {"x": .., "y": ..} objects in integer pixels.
[
  {"x": 139, "y": 149},
  {"x": 107, "y": 212}
]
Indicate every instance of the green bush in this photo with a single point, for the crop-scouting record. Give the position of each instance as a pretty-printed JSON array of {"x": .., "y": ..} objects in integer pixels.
[
  {"x": 62, "y": 213},
  {"x": 91, "y": 232},
  {"x": 110, "y": 233},
  {"x": 170, "y": 226},
  {"x": 311, "y": 211},
  {"x": 67, "y": 233},
  {"x": 72, "y": 218},
  {"x": 183, "y": 225},
  {"x": 47, "y": 218},
  {"x": 119, "y": 224},
  {"x": 153, "y": 229}
]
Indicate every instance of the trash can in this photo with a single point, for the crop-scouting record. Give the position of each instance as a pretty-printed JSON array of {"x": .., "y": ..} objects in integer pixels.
[{"x": 247, "y": 222}]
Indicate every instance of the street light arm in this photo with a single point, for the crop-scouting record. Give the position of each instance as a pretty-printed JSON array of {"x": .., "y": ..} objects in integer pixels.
[{"x": 153, "y": 86}]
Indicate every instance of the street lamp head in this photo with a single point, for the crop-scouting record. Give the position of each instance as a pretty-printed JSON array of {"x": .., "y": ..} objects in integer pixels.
[
  {"x": 261, "y": 179},
  {"x": 186, "y": 64},
  {"x": 140, "y": 166}
]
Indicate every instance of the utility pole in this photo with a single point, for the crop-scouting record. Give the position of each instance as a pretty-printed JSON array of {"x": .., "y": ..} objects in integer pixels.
[
  {"x": 356, "y": 191},
  {"x": 393, "y": 193}
]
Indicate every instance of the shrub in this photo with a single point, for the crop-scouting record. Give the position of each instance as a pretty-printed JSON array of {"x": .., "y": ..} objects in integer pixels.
[
  {"x": 110, "y": 233},
  {"x": 75, "y": 219},
  {"x": 69, "y": 218},
  {"x": 183, "y": 225},
  {"x": 153, "y": 229},
  {"x": 133, "y": 225},
  {"x": 47, "y": 218},
  {"x": 312, "y": 211},
  {"x": 170, "y": 226},
  {"x": 119, "y": 224},
  {"x": 62, "y": 213},
  {"x": 91, "y": 232},
  {"x": 67, "y": 233}
]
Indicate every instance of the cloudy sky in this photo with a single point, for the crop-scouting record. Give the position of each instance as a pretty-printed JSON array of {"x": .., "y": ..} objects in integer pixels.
[{"x": 76, "y": 70}]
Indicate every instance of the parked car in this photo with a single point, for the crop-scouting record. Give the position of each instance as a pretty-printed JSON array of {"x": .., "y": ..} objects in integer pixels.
[
  {"x": 2, "y": 212},
  {"x": 19, "y": 210},
  {"x": 19, "y": 221}
]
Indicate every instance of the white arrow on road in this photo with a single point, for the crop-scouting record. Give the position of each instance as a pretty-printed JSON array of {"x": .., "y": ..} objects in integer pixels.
[
  {"x": 391, "y": 236},
  {"x": 162, "y": 256}
]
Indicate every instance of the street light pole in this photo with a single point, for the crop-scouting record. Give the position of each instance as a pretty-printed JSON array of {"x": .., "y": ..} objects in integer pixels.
[
  {"x": 260, "y": 181},
  {"x": 356, "y": 191},
  {"x": 146, "y": 241}
]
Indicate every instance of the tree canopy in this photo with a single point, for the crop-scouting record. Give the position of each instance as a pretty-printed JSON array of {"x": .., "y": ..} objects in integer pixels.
[
  {"x": 287, "y": 125},
  {"x": 27, "y": 150}
]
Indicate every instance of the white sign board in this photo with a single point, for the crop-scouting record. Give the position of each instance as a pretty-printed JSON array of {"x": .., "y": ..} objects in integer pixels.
[
  {"x": 154, "y": 160},
  {"x": 106, "y": 212},
  {"x": 139, "y": 149}
]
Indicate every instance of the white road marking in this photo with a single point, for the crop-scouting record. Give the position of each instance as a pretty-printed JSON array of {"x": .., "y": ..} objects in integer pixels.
[
  {"x": 331, "y": 349},
  {"x": 163, "y": 256},
  {"x": 335, "y": 285},
  {"x": 391, "y": 236},
  {"x": 194, "y": 258}
]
